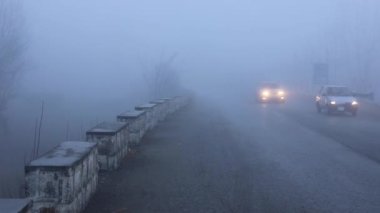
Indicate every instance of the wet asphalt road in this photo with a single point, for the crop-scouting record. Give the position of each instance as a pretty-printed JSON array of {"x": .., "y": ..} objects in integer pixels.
[{"x": 251, "y": 158}]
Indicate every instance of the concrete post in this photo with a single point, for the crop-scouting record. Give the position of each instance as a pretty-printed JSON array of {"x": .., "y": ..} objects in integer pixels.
[
  {"x": 112, "y": 140},
  {"x": 63, "y": 179},
  {"x": 136, "y": 125}
]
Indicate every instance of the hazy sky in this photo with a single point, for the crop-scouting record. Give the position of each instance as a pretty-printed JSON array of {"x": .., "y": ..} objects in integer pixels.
[{"x": 99, "y": 46}]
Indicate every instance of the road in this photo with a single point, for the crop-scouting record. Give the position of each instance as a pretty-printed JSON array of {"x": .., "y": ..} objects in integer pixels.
[{"x": 248, "y": 157}]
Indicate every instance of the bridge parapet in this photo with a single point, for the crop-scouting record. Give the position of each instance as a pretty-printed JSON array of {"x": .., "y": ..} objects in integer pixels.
[
  {"x": 112, "y": 140},
  {"x": 179, "y": 102},
  {"x": 161, "y": 108},
  {"x": 170, "y": 105},
  {"x": 63, "y": 179},
  {"x": 151, "y": 115},
  {"x": 136, "y": 125}
]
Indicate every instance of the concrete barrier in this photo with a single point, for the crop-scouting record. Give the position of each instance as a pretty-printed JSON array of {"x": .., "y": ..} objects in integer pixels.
[
  {"x": 169, "y": 104},
  {"x": 151, "y": 115},
  {"x": 63, "y": 179},
  {"x": 15, "y": 205},
  {"x": 136, "y": 125},
  {"x": 179, "y": 102},
  {"x": 162, "y": 108},
  {"x": 112, "y": 140}
]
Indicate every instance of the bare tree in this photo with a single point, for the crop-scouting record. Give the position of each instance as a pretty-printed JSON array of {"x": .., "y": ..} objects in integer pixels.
[
  {"x": 11, "y": 51},
  {"x": 162, "y": 79}
]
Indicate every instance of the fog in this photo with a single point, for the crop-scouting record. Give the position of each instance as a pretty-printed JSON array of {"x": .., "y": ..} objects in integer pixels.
[
  {"x": 89, "y": 60},
  {"x": 215, "y": 40}
]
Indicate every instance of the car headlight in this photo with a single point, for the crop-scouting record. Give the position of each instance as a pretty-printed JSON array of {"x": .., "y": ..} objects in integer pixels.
[
  {"x": 265, "y": 93},
  {"x": 354, "y": 103},
  {"x": 332, "y": 102}
]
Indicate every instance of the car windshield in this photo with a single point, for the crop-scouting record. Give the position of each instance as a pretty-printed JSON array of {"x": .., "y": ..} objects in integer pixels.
[
  {"x": 338, "y": 91},
  {"x": 270, "y": 86}
]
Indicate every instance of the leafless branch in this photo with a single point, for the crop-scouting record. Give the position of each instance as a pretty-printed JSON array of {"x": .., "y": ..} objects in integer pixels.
[
  {"x": 162, "y": 79},
  {"x": 39, "y": 128},
  {"x": 35, "y": 140}
]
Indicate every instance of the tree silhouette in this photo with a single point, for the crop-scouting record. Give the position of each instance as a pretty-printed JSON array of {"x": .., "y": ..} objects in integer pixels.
[{"x": 11, "y": 52}]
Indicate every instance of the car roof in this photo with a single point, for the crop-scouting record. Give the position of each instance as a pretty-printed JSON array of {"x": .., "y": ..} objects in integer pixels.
[
  {"x": 335, "y": 86},
  {"x": 269, "y": 84}
]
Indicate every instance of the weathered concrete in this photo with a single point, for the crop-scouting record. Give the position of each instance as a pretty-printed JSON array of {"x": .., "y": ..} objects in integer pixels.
[
  {"x": 136, "y": 125},
  {"x": 15, "y": 205},
  {"x": 63, "y": 179},
  {"x": 112, "y": 139},
  {"x": 179, "y": 102},
  {"x": 151, "y": 115},
  {"x": 162, "y": 108},
  {"x": 169, "y": 104}
]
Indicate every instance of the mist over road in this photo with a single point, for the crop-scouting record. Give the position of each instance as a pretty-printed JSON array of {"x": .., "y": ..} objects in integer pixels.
[
  {"x": 68, "y": 65},
  {"x": 255, "y": 158}
]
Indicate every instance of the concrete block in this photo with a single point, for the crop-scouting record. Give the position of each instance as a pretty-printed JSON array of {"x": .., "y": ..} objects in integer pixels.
[
  {"x": 136, "y": 120},
  {"x": 151, "y": 115},
  {"x": 56, "y": 180},
  {"x": 112, "y": 139}
]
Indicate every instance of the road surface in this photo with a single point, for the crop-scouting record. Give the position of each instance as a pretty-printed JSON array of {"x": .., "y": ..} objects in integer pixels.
[{"x": 249, "y": 157}]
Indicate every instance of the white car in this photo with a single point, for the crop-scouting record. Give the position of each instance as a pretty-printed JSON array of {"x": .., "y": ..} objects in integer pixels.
[{"x": 336, "y": 99}]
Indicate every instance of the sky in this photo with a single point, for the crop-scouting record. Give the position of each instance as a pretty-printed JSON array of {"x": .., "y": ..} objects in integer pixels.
[{"x": 100, "y": 47}]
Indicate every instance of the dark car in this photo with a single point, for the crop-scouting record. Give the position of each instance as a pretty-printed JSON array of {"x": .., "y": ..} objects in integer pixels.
[{"x": 270, "y": 92}]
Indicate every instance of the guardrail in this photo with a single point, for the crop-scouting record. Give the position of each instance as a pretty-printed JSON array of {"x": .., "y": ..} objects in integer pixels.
[{"x": 65, "y": 178}]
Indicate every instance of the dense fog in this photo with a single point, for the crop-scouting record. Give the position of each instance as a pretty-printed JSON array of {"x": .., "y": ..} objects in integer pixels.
[{"x": 87, "y": 61}]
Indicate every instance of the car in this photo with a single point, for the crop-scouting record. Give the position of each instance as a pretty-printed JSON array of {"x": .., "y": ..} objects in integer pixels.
[
  {"x": 270, "y": 92},
  {"x": 335, "y": 99}
]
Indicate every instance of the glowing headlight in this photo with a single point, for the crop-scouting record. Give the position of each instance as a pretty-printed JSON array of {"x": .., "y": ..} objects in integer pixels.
[
  {"x": 332, "y": 102},
  {"x": 354, "y": 103},
  {"x": 280, "y": 93},
  {"x": 317, "y": 98},
  {"x": 265, "y": 93}
]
